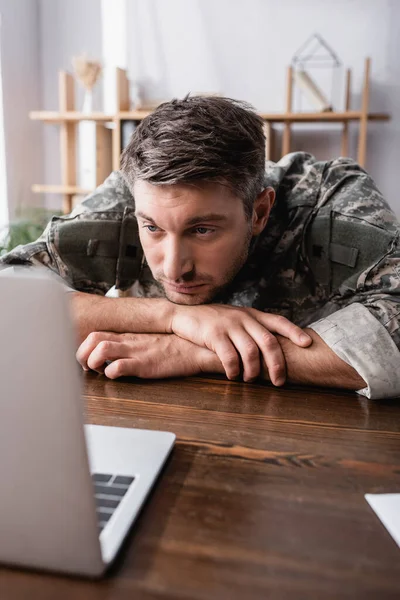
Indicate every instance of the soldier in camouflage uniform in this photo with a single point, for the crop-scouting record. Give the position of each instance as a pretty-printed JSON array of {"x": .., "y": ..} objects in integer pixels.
[{"x": 327, "y": 259}]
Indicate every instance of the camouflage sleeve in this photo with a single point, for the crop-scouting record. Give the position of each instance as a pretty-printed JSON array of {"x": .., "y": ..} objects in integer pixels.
[
  {"x": 362, "y": 316},
  {"x": 105, "y": 205}
]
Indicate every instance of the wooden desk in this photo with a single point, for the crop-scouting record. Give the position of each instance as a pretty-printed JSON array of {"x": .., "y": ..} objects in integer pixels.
[{"x": 263, "y": 496}]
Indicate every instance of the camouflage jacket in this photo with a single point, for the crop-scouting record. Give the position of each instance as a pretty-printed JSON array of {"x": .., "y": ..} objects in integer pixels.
[{"x": 329, "y": 258}]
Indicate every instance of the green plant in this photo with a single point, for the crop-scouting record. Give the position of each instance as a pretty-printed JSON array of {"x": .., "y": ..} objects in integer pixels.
[{"x": 26, "y": 228}]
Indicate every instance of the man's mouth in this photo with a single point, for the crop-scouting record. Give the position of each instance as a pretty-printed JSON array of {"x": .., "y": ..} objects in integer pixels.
[{"x": 183, "y": 289}]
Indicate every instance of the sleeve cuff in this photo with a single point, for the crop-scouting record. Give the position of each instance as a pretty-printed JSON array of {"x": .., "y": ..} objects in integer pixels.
[{"x": 359, "y": 339}]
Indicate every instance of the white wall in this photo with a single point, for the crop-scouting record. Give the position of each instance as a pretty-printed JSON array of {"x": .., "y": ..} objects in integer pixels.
[
  {"x": 67, "y": 28},
  {"x": 20, "y": 55},
  {"x": 239, "y": 48},
  {"x": 4, "y": 215},
  {"x": 242, "y": 47}
]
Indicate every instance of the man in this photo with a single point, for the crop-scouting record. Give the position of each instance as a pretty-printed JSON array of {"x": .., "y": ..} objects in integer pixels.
[{"x": 227, "y": 257}]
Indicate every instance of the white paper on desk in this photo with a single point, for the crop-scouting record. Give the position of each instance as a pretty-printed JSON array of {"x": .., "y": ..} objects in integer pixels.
[{"x": 387, "y": 507}]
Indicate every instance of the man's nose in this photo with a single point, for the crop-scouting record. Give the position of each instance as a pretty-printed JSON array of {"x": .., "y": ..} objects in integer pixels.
[{"x": 177, "y": 260}]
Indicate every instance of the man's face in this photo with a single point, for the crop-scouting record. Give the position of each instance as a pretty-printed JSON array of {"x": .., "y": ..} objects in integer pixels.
[{"x": 195, "y": 238}]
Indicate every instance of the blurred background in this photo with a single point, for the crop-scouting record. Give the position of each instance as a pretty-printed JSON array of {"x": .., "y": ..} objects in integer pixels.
[{"x": 167, "y": 48}]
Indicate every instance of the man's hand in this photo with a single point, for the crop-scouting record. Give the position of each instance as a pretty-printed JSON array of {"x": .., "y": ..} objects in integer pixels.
[
  {"x": 149, "y": 356},
  {"x": 233, "y": 333}
]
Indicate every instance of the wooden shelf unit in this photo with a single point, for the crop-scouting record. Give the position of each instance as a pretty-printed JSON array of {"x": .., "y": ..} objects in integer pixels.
[
  {"x": 60, "y": 189},
  {"x": 138, "y": 115},
  {"x": 362, "y": 115},
  {"x": 49, "y": 116},
  {"x": 67, "y": 118}
]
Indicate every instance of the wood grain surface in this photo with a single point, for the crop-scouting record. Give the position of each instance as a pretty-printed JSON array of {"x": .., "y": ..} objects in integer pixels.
[{"x": 262, "y": 497}]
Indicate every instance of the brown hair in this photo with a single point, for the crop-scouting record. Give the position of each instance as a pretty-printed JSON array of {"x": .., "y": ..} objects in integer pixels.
[{"x": 200, "y": 138}]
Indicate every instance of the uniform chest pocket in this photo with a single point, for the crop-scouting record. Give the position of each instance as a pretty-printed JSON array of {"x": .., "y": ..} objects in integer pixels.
[{"x": 97, "y": 248}]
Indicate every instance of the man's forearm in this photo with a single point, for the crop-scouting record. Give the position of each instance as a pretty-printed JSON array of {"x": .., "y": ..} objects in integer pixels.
[
  {"x": 318, "y": 365},
  {"x": 121, "y": 315},
  {"x": 315, "y": 365}
]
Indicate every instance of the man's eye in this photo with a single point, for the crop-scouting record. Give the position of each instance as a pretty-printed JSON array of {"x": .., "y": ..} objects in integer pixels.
[
  {"x": 203, "y": 230},
  {"x": 151, "y": 228}
]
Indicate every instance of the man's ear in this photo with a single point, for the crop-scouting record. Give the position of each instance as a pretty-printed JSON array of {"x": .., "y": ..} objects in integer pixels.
[{"x": 261, "y": 210}]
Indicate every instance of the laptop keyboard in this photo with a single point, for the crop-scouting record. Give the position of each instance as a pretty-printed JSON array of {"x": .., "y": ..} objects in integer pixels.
[{"x": 108, "y": 492}]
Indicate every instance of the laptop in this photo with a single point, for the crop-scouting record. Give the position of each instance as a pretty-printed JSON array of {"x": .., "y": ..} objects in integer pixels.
[{"x": 69, "y": 492}]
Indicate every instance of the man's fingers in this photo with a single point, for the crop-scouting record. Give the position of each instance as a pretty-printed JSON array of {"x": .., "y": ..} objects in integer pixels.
[
  {"x": 90, "y": 343},
  {"x": 249, "y": 353},
  {"x": 123, "y": 367},
  {"x": 106, "y": 350},
  {"x": 271, "y": 351},
  {"x": 284, "y": 327},
  {"x": 228, "y": 356}
]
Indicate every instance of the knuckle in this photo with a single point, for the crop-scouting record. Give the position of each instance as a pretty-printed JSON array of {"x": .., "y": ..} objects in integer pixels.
[
  {"x": 218, "y": 343},
  {"x": 276, "y": 367},
  {"x": 269, "y": 341},
  {"x": 231, "y": 366},
  {"x": 94, "y": 337},
  {"x": 251, "y": 350},
  {"x": 218, "y": 332},
  {"x": 103, "y": 347},
  {"x": 277, "y": 371},
  {"x": 230, "y": 358},
  {"x": 133, "y": 338},
  {"x": 280, "y": 320}
]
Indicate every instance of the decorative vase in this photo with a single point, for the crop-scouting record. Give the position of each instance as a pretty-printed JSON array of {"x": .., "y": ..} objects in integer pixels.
[
  {"x": 87, "y": 106},
  {"x": 87, "y": 145}
]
